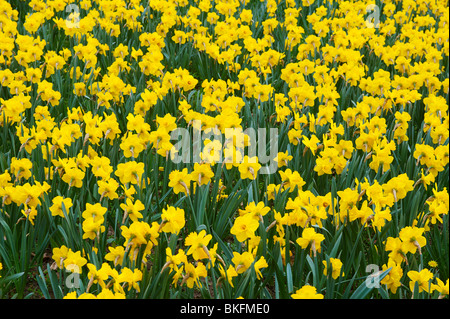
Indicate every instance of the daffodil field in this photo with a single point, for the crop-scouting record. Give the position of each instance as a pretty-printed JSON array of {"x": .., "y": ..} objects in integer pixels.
[{"x": 97, "y": 199}]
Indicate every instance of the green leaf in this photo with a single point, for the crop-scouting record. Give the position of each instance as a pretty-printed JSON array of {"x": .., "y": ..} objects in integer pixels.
[
  {"x": 366, "y": 287},
  {"x": 228, "y": 252},
  {"x": 57, "y": 291},
  {"x": 290, "y": 284},
  {"x": 313, "y": 265},
  {"x": 336, "y": 246},
  {"x": 41, "y": 282},
  {"x": 13, "y": 277},
  {"x": 384, "y": 294}
]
